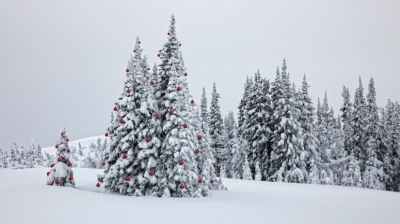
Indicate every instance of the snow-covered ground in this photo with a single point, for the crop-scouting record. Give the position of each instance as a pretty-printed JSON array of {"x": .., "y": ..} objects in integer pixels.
[{"x": 24, "y": 198}]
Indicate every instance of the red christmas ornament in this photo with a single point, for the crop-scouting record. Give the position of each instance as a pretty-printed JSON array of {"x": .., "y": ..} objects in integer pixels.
[
  {"x": 121, "y": 121},
  {"x": 59, "y": 159},
  {"x": 125, "y": 156},
  {"x": 158, "y": 55},
  {"x": 211, "y": 181},
  {"x": 127, "y": 70},
  {"x": 151, "y": 173},
  {"x": 98, "y": 185},
  {"x": 199, "y": 137},
  {"x": 168, "y": 34},
  {"x": 181, "y": 162},
  {"x": 178, "y": 88},
  {"x": 148, "y": 139},
  {"x": 57, "y": 182},
  {"x": 56, "y": 146},
  {"x": 197, "y": 151},
  {"x": 192, "y": 101},
  {"x": 70, "y": 178},
  {"x": 200, "y": 181},
  {"x": 52, "y": 165},
  {"x": 129, "y": 90},
  {"x": 157, "y": 117},
  {"x": 185, "y": 125},
  {"x": 106, "y": 134},
  {"x": 185, "y": 74},
  {"x": 171, "y": 111},
  {"x": 48, "y": 173},
  {"x": 128, "y": 178},
  {"x": 115, "y": 108},
  {"x": 69, "y": 163},
  {"x": 68, "y": 151},
  {"x": 62, "y": 133},
  {"x": 182, "y": 186}
]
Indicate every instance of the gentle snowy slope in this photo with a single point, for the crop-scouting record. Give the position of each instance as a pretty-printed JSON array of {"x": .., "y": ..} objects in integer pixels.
[{"x": 24, "y": 198}]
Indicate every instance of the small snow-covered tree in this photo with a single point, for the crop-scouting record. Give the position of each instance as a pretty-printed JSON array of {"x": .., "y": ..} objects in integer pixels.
[
  {"x": 352, "y": 175},
  {"x": 246, "y": 170},
  {"x": 61, "y": 173},
  {"x": 216, "y": 131}
]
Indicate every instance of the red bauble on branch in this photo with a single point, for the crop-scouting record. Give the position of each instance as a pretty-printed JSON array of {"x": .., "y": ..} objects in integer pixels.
[
  {"x": 178, "y": 88},
  {"x": 122, "y": 121},
  {"x": 69, "y": 163},
  {"x": 211, "y": 181},
  {"x": 115, "y": 108},
  {"x": 106, "y": 134},
  {"x": 151, "y": 173},
  {"x": 171, "y": 111},
  {"x": 200, "y": 181},
  {"x": 128, "y": 178},
  {"x": 57, "y": 182},
  {"x": 148, "y": 139},
  {"x": 59, "y": 159},
  {"x": 185, "y": 125},
  {"x": 182, "y": 186},
  {"x": 185, "y": 74},
  {"x": 70, "y": 178},
  {"x": 181, "y": 162},
  {"x": 192, "y": 101},
  {"x": 56, "y": 146},
  {"x": 48, "y": 173},
  {"x": 197, "y": 151},
  {"x": 52, "y": 165},
  {"x": 129, "y": 90},
  {"x": 125, "y": 156},
  {"x": 158, "y": 55},
  {"x": 157, "y": 117},
  {"x": 98, "y": 185},
  {"x": 62, "y": 133},
  {"x": 168, "y": 33},
  {"x": 127, "y": 70},
  {"x": 199, "y": 137}
]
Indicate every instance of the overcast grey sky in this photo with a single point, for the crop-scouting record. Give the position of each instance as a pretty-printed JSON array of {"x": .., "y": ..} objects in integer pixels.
[{"x": 62, "y": 62}]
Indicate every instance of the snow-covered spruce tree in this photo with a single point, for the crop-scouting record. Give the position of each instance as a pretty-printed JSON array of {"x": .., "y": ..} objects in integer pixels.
[
  {"x": 352, "y": 175},
  {"x": 306, "y": 119},
  {"x": 178, "y": 168},
  {"x": 255, "y": 125},
  {"x": 118, "y": 174},
  {"x": 246, "y": 169},
  {"x": 374, "y": 176},
  {"x": 243, "y": 105},
  {"x": 392, "y": 156},
  {"x": 346, "y": 116},
  {"x": 359, "y": 123},
  {"x": 230, "y": 134},
  {"x": 61, "y": 173},
  {"x": 216, "y": 131},
  {"x": 147, "y": 135},
  {"x": 287, "y": 156}
]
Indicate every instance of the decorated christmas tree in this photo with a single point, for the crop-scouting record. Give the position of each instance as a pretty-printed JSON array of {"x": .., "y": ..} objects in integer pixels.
[{"x": 61, "y": 173}]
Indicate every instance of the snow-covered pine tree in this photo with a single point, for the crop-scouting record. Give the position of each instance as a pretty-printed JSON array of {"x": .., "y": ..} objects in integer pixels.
[
  {"x": 246, "y": 169},
  {"x": 148, "y": 127},
  {"x": 255, "y": 125},
  {"x": 61, "y": 173},
  {"x": 123, "y": 148},
  {"x": 287, "y": 156},
  {"x": 306, "y": 119},
  {"x": 178, "y": 169},
  {"x": 229, "y": 134},
  {"x": 392, "y": 156},
  {"x": 243, "y": 105},
  {"x": 374, "y": 176},
  {"x": 352, "y": 175},
  {"x": 359, "y": 124},
  {"x": 346, "y": 117},
  {"x": 216, "y": 131}
]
